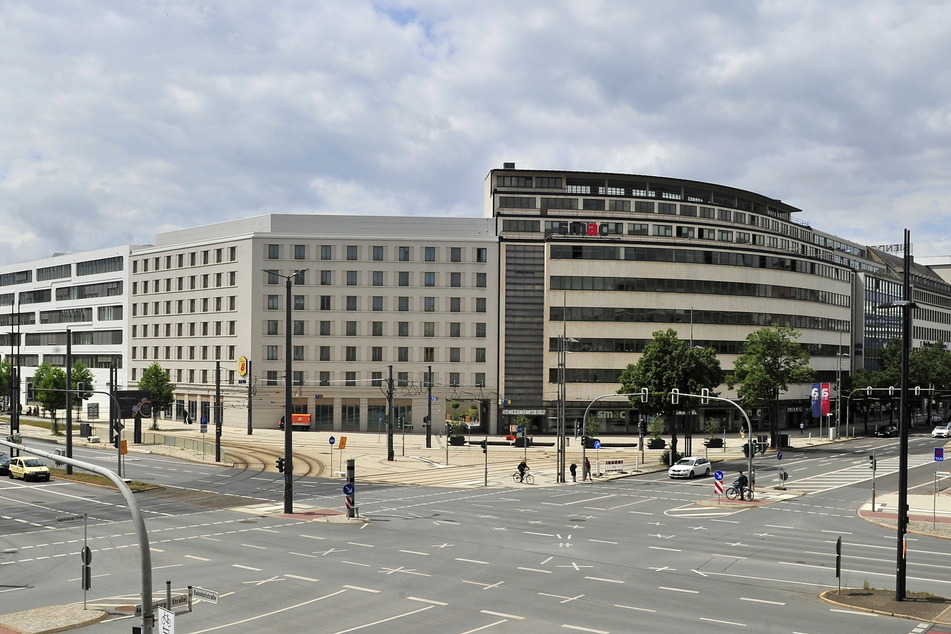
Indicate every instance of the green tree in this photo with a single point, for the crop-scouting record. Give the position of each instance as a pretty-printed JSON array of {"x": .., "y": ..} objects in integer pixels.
[
  {"x": 772, "y": 359},
  {"x": 46, "y": 379},
  {"x": 161, "y": 389},
  {"x": 82, "y": 377},
  {"x": 6, "y": 369},
  {"x": 668, "y": 363},
  {"x": 862, "y": 402}
]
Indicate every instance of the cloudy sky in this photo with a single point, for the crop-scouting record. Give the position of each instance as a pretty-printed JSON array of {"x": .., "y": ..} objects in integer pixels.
[{"x": 122, "y": 119}]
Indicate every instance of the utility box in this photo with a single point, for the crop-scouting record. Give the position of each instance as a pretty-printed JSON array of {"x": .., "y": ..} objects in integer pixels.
[{"x": 300, "y": 421}]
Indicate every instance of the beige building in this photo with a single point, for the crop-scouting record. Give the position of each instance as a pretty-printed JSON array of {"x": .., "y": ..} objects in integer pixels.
[{"x": 374, "y": 295}]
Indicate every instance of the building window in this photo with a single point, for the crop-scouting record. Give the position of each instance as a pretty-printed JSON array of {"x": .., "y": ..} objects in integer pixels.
[
  {"x": 429, "y": 278},
  {"x": 455, "y": 304},
  {"x": 403, "y": 278},
  {"x": 429, "y": 329},
  {"x": 324, "y": 378},
  {"x": 298, "y": 327},
  {"x": 482, "y": 254},
  {"x": 480, "y": 330},
  {"x": 273, "y": 302},
  {"x": 300, "y": 252},
  {"x": 326, "y": 252},
  {"x": 481, "y": 280},
  {"x": 352, "y": 302},
  {"x": 429, "y": 355},
  {"x": 480, "y": 355},
  {"x": 353, "y": 252},
  {"x": 325, "y": 303},
  {"x": 455, "y": 329},
  {"x": 324, "y": 353},
  {"x": 325, "y": 328},
  {"x": 273, "y": 252},
  {"x": 299, "y": 354},
  {"x": 351, "y": 329},
  {"x": 455, "y": 254},
  {"x": 402, "y": 354},
  {"x": 272, "y": 353},
  {"x": 376, "y": 328},
  {"x": 351, "y": 352},
  {"x": 402, "y": 304},
  {"x": 352, "y": 278},
  {"x": 429, "y": 254},
  {"x": 272, "y": 327},
  {"x": 376, "y": 379},
  {"x": 480, "y": 379},
  {"x": 664, "y": 231},
  {"x": 402, "y": 329},
  {"x": 404, "y": 254},
  {"x": 299, "y": 302},
  {"x": 455, "y": 355},
  {"x": 350, "y": 380},
  {"x": 455, "y": 280},
  {"x": 402, "y": 379},
  {"x": 377, "y": 278},
  {"x": 453, "y": 379},
  {"x": 376, "y": 353},
  {"x": 377, "y": 303},
  {"x": 480, "y": 304},
  {"x": 326, "y": 278},
  {"x": 271, "y": 377},
  {"x": 378, "y": 254},
  {"x": 429, "y": 304},
  {"x": 298, "y": 376}
]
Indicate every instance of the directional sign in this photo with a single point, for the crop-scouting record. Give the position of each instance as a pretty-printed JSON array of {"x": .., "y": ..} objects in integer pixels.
[
  {"x": 205, "y": 595},
  {"x": 165, "y": 621},
  {"x": 348, "y": 488},
  {"x": 597, "y": 444},
  {"x": 779, "y": 455},
  {"x": 332, "y": 440},
  {"x": 519, "y": 429},
  {"x": 939, "y": 454},
  {"x": 718, "y": 475}
]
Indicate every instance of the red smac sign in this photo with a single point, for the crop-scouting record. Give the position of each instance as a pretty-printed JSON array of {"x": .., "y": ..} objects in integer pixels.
[{"x": 587, "y": 228}]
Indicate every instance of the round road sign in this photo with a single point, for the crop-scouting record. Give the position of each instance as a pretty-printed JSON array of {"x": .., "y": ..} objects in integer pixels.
[
  {"x": 718, "y": 475},
  {"x": 86, "y": 555},
  {"x": 779, "y": 455},
  {"x": 597, "y": 444},
  {"x": 332, "y": 440},
  {"x": 348, "y": 488}
]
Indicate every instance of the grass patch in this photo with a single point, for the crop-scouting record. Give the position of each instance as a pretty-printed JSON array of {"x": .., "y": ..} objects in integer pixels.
[{"x": 95, "y": 479}]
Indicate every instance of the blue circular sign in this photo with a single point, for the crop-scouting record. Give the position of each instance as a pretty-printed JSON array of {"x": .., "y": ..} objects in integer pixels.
[
  {"x": 717, "y": 475},
  {"x": 348, "y": 488},
  {"x": 779, "y": 455},
  {"x": 519, "y": 429},
  {"x": 597, "y": 444},
  {"x": 332, "y": 440}
]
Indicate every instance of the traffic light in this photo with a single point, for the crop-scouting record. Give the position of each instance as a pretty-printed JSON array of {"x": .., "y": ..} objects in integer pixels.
[
  {"x": 705, "y": 396},
  {"x": 280, "y": 465},
  {"x": 425, "y": 420},
  {"x": 485, "y": 445},
  {"x": 871, "y": 462},
  {"x": 644, "y": 395},
  {"x": 675, "y": 396}
]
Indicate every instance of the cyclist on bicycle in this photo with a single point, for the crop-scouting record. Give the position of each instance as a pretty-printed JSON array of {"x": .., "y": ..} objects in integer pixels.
[
  {"x": 740, "y": 484},
  {"x": 522, "y": 468}
]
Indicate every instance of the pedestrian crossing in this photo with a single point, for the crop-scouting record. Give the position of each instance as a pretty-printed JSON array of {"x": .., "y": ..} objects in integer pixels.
[{"x": 857, "y": 471}]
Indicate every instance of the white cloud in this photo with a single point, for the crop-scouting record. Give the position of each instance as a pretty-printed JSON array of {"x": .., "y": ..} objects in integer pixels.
[{"x": 133, "y": 118}]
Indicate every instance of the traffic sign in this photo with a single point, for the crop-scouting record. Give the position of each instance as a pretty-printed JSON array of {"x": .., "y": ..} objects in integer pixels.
[
  {"x": 718, "y": 475},
  {"x": 783, "y": 476},
  {"x": 519, "y": 429},
  {"x": 939, "y": 454},
  {"x": 85, "y": 555},
  {"x": 718, "y": 486},
  {"x": 348, "y": 488},
  {"x": 332, "y": 440},
  {"x": 597, "y": 444},
  {"x": 779, "y": 455},
  {"x": 205, "y": 595}
]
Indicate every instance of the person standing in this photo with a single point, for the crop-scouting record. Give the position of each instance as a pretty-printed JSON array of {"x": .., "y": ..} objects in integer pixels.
[
  {"x": 574, "y": 472},
  {"x": 802, "y": 426},
  {"x": 586, "y": 469}
]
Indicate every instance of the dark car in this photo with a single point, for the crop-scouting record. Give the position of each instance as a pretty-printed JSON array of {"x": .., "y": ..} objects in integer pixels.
[
  {"x": 4, "y": 463},
  {"x": 887, "y": 432}
]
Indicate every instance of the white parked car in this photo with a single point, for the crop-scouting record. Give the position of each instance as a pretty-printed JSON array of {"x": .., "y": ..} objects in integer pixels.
[
  {"x": 689, "y": 468},
  {"x": 941, "y": 431}
]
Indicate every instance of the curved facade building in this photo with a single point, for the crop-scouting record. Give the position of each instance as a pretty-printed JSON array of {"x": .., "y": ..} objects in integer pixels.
[{"x": 597, "y": 262}]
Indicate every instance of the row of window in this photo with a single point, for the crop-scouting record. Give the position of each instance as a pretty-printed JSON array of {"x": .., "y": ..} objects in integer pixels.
[
  {"x": 192, "y": 282},
  {"x": 62, "y": 271},
  {"x": 377, "y": 253},
  {"x": 377, "y": 303},
  {"x": 704, "y": 287},
  {"x": 720, "y": 317},
  {"x": 378, "y": 328},
  {"x": 191, "y": 353},
  {"x": 379, "y": 278},
  {"x": 193, "y": 258},
  {"x": 401, "y": 354},
  {"x": 190, "y": 329},
  {"x": 182, "y": 306},
  {"x": 376, "y": 379},
  {"x": 697, "y": 256}
]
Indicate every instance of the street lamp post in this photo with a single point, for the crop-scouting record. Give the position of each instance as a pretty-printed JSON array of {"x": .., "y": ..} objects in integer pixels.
[{"x": 288, "y": 403}]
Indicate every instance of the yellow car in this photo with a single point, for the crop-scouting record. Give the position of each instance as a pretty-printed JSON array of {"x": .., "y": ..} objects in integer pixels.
[{"x": 29, "y": 469}]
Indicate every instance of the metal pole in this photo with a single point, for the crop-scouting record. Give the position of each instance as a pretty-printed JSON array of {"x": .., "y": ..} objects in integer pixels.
[
  {"x": 429, "y": 407},
  {"x": 902, "y": 562},
  {"x": 288, "y": 406},
  {"x": 69, "y": 400},
  {"x": 250, "y": 394},
  {"x": 390, "y": 421},
  {"x": 218, "y": 412}
]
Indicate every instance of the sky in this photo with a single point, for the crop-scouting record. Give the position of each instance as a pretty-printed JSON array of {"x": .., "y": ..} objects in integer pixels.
[{"x": 123, "y": 119}]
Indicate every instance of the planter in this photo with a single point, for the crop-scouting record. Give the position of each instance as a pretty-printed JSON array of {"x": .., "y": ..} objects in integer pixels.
[
  {"x": 656, "y": 443},
  {"x": 589, "y": 442},
  {"x": 712, "y": 443},
  {"x": 457, "y": 441}
]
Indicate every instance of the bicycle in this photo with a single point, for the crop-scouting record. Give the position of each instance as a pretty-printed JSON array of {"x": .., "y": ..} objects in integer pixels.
[
  {"x": 733, "y": 492},
  {"x": 529, "y": 478}
]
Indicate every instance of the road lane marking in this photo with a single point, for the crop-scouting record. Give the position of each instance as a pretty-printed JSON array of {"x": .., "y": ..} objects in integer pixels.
[
  {"x": 678, "y": 590},
  {"x": 414, "y": 552},
  {"x": 361, "y": 589},
  {"x": 246, "y": 567},
  {"x": 583, "y": 629},
  {"x": 547, "y": 572},
  {"x": 472, "y": 561},
  {"x": 269, "y": 614},
  {"x": 604, "y": 580},
  {"x": 503, "y": 615},
  {"x": 392, "y": 618},
  {"x": 432, "y": 601},
  {"x": 300, "y": 578},
  {"x": 631, "y": 607},
  {"x": 197, "y": 557},
  {"x": 723, "y": 622},
  {"x": 762, "y": 601}
]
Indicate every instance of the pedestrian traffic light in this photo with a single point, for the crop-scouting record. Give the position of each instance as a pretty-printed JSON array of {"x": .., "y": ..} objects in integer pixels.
[
  {"x": 871, "y": 462},
  {"x": 485, "y": 445},
  {"x": 280, "y": 465}
]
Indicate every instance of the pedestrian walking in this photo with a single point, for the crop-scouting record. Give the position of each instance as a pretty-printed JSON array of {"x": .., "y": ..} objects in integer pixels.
[
  {"x": 574, "y": 472},
  {"x": 586, "y": 470},
  {"x": 802, "y": 426}
]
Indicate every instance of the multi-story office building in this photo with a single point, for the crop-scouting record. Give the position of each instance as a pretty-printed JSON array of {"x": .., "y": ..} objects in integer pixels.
[
  {"x": 84, "y": 293},
  {"x": 559, "y": 286},
  {"x": 373, "y": 295}
]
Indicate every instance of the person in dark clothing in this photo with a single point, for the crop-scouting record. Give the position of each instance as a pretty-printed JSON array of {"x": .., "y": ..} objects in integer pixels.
[
  {"x": 574, "y": 472},
  {"x": 741, "y": 484},
  {"x": 522, "y": 468}
]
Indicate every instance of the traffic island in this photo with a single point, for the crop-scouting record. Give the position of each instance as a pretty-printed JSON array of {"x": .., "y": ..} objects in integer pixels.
[
  {"x": 919, "y": 606},
  {"x": 54, "y": 618}
]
